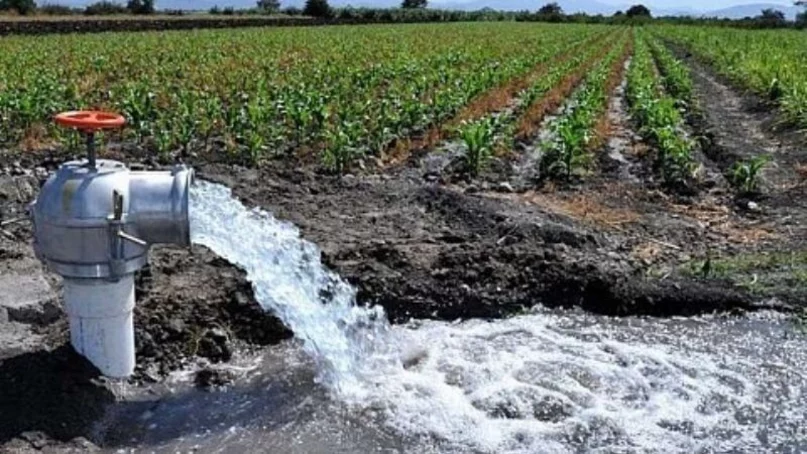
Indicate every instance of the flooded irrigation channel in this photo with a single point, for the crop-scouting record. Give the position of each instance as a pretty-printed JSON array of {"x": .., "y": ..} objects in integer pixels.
[
  {"x": 542, "y": 381},
  {"x": 548, "y": 381}
]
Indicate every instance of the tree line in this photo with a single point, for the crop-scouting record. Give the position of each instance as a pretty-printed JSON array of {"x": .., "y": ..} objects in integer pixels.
[
  {"x": 27, "y": 7},
  {"x": 414, "y": 11}
]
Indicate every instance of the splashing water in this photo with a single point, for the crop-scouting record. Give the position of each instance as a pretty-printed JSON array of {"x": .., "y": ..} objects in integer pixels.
[
  {"x": 540, "y": 382},
  {"x": 344, "y": 339}
]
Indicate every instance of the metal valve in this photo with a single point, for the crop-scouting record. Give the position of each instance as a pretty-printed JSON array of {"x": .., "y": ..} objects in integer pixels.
[{"x": 94, "y": 222}]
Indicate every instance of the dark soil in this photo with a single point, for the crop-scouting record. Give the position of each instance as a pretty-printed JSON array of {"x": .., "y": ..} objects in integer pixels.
[
  {"x": 51, "y": 391},
  {"x": 740, "y": 126},
  {"x": 426, "y": 250},
  {"x": 91, "y": 25},
  {"x": 420, "y": 246}
]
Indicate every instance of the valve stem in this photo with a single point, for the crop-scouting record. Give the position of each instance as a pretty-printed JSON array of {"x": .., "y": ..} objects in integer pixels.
[{"x": 90, "y": 149}]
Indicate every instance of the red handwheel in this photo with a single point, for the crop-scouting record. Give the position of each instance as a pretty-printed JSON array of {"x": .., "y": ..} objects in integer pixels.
[{"x": 89, "y": 120}]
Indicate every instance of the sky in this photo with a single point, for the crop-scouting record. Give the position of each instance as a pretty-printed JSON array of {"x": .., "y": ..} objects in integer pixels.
[
  {"x": 699, "y": 4},
  {"x": 696, "y": 5}
]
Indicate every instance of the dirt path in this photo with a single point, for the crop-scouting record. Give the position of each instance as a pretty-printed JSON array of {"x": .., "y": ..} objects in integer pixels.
[
  {"x": 735, "y": 126},
  {"x": 741, "y": 126}
]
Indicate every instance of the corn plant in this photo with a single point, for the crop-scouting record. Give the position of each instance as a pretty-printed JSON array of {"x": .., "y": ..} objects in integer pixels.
[
  {"x": 660, "y": 120},
  {"x": 340, "y": 151},
  {"x": 257, "y": 90},
  {"x": 478, "y": 137},
  {"x": 568, "y": 150},
  {"x": 675, "y": 75},
  {"x": 744, "y": 175}
]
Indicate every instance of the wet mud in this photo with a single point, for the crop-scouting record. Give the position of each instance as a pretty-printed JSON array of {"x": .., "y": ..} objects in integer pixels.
[{"x": 420, "y": 244}]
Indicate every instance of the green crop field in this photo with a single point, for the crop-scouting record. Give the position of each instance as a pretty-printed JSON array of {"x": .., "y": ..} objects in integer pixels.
[
  {"x": 771, "y": 63},
  {"x": 343, "y": 91},
  {"x": 345, "y": 95}
]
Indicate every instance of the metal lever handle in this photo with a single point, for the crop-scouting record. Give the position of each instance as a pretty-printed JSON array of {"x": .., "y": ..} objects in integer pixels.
[
  {"x": 132, "y": 238},
  {"x": 118, "y": 236}
]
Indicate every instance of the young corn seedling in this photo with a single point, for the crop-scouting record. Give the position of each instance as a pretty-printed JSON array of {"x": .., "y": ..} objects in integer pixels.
[
  {"x": 659, "y": 120},
  {"x": 745, "y": 175},
  {"x": 565, "y": 154},
  {"x": 572, "y": 132},
  {"x": 478, "y": 137},
  {"x": 675, "y": 75},
  {"x": 163, "y": 141}
]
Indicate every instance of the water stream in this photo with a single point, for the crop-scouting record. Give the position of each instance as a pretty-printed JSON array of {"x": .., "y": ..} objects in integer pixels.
[
  {"x": 345, "y": 341},
  {"x": 547, "y": 381}
]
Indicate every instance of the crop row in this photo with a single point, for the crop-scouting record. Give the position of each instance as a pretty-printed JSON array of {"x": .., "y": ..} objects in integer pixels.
[
  {"x": 659, "y": 118},
  {"x": 771, "y": 63},
  {"x": 573, "y": 132},
  {"x": 744, "y": 174},
  {"x": 499, "y": 131},
  {"x": 674, "y": 73},
  {"x": 341, "y": 93}
]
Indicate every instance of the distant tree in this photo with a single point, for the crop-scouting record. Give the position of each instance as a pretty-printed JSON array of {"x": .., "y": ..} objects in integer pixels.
[
  {"x": 414, "y": 4},
  {"x": 772, "y": 18},
  {"x": 20, "y": 6},
  {"x": 638, "y": 11},
  {"x": 291, "y": 11},
  {"x": 51, "y": 9},
  {"x": 619, "y": 13},
  {"x": 551, "y": 9},
  {"x": 105, "y": 8},
  {"x": 140, "y": 6},
  {"x": 269, "y": 6},
  {"x": 317, "y": 8}
]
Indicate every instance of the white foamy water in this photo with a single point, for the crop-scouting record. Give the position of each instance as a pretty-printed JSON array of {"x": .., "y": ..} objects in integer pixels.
[
  {"x": 542, "y": 382},
  {"x": 562, "y": 382}
]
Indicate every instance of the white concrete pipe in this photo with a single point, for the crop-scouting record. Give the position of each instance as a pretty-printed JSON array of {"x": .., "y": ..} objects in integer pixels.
[{"x": 102, "y": 323}]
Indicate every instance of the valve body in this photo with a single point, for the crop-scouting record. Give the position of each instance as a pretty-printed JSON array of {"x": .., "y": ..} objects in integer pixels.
[{"x": 93, "y": 225}]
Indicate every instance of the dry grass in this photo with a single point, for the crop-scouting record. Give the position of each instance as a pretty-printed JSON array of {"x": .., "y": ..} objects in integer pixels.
[
  {"x": 400, "y": 150},
  {"x": 801, "y": 170},
  {"x": 582, "y": 207},
  {"x": 647, "y": 251},
  {"x": 718, "y": 218},
  {"x": 36, "y": 137}
]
